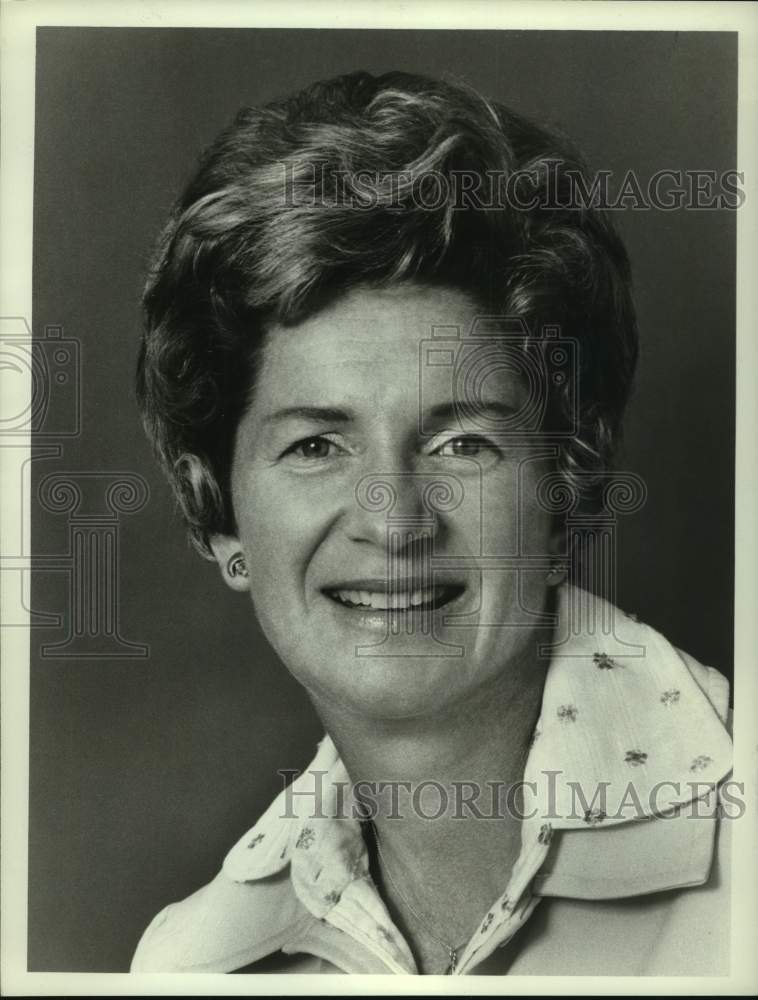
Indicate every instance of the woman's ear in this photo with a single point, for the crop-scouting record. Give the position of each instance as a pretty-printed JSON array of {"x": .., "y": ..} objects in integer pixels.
[{"x": 231, "y": 561}]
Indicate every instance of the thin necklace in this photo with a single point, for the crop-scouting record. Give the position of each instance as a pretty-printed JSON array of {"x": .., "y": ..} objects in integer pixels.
[{"x": 450, "y": 949}]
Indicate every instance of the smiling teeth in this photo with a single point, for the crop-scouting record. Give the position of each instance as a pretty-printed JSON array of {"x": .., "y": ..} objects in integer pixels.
[{"x": 380, "y": 600}]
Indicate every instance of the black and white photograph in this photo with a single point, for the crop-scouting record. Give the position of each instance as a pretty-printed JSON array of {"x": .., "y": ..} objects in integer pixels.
[{"x": 379, "y": 538}]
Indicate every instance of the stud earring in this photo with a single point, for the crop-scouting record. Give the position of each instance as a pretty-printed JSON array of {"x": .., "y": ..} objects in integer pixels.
[
  {"x": 237, "y": 566},
  {"x": 556, "y": 574}
]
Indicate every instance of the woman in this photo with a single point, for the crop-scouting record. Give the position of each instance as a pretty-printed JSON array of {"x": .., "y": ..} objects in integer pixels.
[{"x": 386, "y": 357}]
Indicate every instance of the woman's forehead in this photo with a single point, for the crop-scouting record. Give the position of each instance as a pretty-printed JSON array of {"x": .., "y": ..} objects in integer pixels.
[
  {"x": 403, "y": 345},
  {"x": 371, "y": 331},
  {"x": 402, "y": 307}
]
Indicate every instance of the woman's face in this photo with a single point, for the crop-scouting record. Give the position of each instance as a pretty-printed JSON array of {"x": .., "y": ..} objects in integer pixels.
[{"x": 382, "y": 593}]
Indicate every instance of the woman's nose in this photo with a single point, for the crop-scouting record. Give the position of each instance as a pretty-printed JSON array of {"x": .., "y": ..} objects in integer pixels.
[{"x": 399, "y": 509}]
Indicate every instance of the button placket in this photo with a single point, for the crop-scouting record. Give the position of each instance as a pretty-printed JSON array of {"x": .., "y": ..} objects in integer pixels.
[
  {"x": 511, "y": 910},
  {"x": 353, "y": 917}
]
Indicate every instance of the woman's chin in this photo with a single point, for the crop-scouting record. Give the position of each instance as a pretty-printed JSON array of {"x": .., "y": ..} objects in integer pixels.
[
  {"x": 391, "y": 687},
  {"x": 388, "y": 664}
]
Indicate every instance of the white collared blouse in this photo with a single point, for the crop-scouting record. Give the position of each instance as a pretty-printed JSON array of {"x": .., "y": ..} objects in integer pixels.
[{"x": 622, "y": 779}]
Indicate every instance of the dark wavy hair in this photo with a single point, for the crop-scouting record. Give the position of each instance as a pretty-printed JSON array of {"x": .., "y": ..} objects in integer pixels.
[{"x": 317, "y": 193}]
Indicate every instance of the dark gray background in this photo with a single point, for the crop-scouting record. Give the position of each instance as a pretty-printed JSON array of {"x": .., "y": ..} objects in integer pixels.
[{"x": 144, "y": 772}]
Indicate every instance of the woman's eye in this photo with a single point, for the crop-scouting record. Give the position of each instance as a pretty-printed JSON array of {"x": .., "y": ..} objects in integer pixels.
[
  {"x": 467, "y": 446},
  {"x": 312, "y": 448}
]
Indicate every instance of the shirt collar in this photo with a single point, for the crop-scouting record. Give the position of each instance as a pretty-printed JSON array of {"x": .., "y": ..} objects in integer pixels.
[
  {"x": 623, "y": 722},
  {"x": 625, "y": 733}
]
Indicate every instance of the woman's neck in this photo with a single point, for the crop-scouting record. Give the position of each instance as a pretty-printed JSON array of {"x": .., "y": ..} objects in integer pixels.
[
  {"x": 440, "y": 794},
  {"x": 486, "y": 738}
]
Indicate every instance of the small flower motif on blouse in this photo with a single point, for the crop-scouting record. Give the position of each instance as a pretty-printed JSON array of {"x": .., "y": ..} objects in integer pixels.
[
  {"x": 567, "y": 713},
  {"x": 670, "y": 697},
  {"x": 333, "y": 897},
  {"x": 635, "y": 757},
  {"x": 506, "y": 904},
  {"x": 487, "y": 921},
  {"x": 546, "y": 834},
  {"x": 701, "y": 762},
  {"x": 256, "y": 840},
  {"x": 535, "y": 736},
  {"x": 306, "y": 838},
  {"x": 385, "y": 934},
  {"x": 594, "y": 816},
  {"x": 603, "y": 662}
]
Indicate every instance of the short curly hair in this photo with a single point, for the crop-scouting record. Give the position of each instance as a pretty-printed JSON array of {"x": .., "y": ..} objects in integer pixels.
[{"x": 315, "y": 194}]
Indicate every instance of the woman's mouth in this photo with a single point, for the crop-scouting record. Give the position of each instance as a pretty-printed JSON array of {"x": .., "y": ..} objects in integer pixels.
[{"x": 392, "y": 599}]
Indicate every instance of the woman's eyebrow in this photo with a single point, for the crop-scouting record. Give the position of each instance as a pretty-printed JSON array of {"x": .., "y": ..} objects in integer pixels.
[
  {"x": 318, "y": 414},
  {"x": 439, "y": 412},
  {"x": 456, "y": 410}
]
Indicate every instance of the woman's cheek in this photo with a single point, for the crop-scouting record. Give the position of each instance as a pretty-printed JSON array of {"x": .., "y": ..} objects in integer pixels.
[{"x": 505, "y": 511}]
